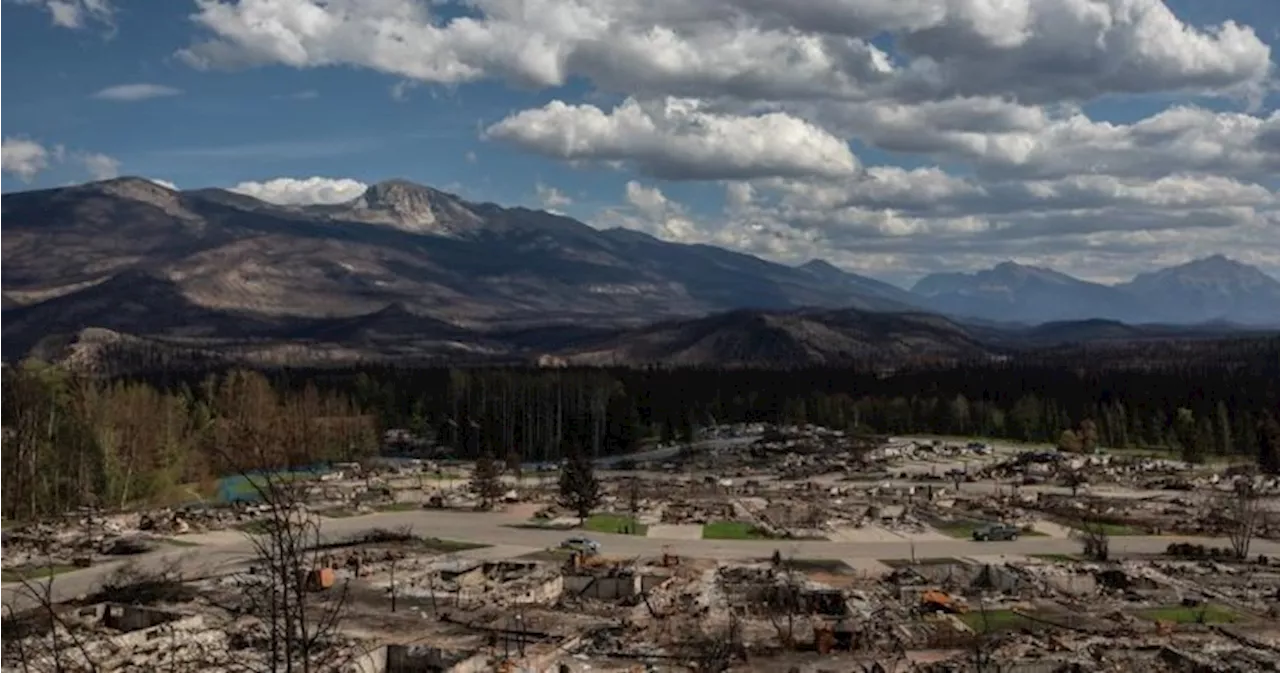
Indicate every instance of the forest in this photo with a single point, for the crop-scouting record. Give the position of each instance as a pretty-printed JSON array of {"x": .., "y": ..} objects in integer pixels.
[{"x": 73, "y": 441}]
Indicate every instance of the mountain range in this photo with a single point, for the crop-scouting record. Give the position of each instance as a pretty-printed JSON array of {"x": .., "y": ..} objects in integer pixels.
[
  {"x": 1212, "y": 289},
  {"x": 405, "y": 270}
]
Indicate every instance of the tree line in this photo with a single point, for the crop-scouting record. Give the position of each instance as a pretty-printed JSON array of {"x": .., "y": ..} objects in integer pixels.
[{"x": 72, "y": 440}]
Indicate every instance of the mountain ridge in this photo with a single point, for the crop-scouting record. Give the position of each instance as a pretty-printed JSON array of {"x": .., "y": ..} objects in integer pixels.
[{"x": 1212, "y": 288}]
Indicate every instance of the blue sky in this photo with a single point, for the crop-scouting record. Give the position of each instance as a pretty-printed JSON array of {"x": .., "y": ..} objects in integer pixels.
[{"x": 893, "y": 142}]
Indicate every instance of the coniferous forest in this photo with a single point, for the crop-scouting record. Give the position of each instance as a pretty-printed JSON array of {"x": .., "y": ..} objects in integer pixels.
[{"x": 114, "y": 442}]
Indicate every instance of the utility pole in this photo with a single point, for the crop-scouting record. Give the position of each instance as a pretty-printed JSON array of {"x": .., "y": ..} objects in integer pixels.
[{"x": 393, "y": 584}]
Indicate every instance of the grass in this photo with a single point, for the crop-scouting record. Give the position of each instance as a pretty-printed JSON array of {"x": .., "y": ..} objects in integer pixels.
[
  {"x": 1119, "y": 529},
  {"x": 34, "y": 572},
  {"x": 1179, "y": 614},
  {"x": 179, "y": 542},
  {"x": 615, "y": 523},
  {"x": 964, "y": 530},
  {"x": 732, "y": 530},
  {"x": 540, "y": 524},
  {"x": 445, "y": 546},
  {"x": 993, "y": 620}
]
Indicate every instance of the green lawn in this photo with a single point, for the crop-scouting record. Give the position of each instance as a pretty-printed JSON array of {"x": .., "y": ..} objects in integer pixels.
[
  {"x": 615, "y": 523},
  {"x": 732, "y": 530},
  {"x": 34, "y": 572},
  {"x": 993, "y": 620},
  {"x": 445, "y": 546},
  {"x": 964, "y": 530},
  {"x": 1118, "y": 529},
  {"x": 1178, "y": 614}
]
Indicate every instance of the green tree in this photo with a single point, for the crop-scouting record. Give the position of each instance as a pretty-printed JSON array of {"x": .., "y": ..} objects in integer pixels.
[
  {"x": 579, "y": 488},
  {"x": 1269, "y": 444},
  {"x": 486, "y": 481}
]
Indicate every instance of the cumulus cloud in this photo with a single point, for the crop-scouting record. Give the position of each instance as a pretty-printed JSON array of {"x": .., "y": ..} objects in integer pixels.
[
  {"x": 751, "y": 48},
  {"x": 23, "y": 157},
  {"x": 676, "y": 139},
  {"x": 984, "y": 104},
  {"x": 100, "y": 166},
  {"x": 305, "y": 191},
  {"x": 135, "y": 92},
  {"x": 552, "y": 199},
  {"x": 76, "y": 14}
]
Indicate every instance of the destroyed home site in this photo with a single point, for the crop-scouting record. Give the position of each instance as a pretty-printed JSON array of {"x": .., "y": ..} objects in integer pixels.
[{"x": 750, "y": 548}]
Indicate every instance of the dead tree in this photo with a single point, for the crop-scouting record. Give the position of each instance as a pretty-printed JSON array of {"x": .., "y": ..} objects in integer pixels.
[
  {"x": 782, "y": 599},
  {"x": 41, "y": 638},
  {"x": 982, "y": 649},
  {"x": 714, "y": 653},
  {"x": 1243, "y": 512},
  {"x": 1094, "y": 536},
  {"x": 286, "y": 590}
]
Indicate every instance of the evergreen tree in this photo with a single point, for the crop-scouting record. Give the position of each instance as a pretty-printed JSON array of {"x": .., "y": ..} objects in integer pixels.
[
  {"x": 1269, "y": 444},
  {"x": 579, "y": 489},
  {"x": 622, "y": 426},
  {"x": 486, "y": 481}
]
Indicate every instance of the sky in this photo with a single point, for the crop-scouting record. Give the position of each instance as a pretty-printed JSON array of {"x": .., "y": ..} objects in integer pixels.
[{"x": 893, "y": 138}]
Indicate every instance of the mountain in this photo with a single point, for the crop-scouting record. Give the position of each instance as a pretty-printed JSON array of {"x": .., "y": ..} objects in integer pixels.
[
  {"x": 1206, "y": 290},
  {"x": 401, "y": 257},
  {"x": 123, "y": 303},
  {"x": 1211, "y": 289},
  {"x": 1014, "y": 292},
  {"x": 802, "y": 338},
  {"x": 826, "y": 272}
]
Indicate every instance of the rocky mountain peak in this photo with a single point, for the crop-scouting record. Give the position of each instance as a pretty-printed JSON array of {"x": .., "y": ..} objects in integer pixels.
[
  {"x": 141, "y": 190},
  {"x": 413, "y": 207}
]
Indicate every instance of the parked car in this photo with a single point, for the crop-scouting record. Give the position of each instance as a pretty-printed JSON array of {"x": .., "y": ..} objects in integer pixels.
[
  {"x": 581, "y": 544},
  {"x": 995, "y": 531}
]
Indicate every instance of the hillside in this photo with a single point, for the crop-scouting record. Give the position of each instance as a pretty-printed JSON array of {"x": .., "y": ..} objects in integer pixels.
[
  {"x": 784, "y": 339},
  {"x": 203, "y": 259}
]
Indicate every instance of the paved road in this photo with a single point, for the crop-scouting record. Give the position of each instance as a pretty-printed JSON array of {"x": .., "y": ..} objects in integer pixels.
[{"x": 221, "y": 552}]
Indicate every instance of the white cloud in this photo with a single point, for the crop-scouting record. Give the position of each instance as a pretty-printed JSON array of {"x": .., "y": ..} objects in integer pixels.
[
  {"x": 984, "y": 103},
  {"x": 552, "y": 199},
  {"x": 654, "y": 213},
  {"x": 305, "y": 191},
  {"x": 1031, "y": 49},
  {"x": 135, "y": 92},
  {"x": 164, "y": 183},
  {"x": 100, "y": 166},
  {"x": 675, "y": 139},
  {"x": 76, "y": 14},
  {"x": 23, "y": 157}
]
